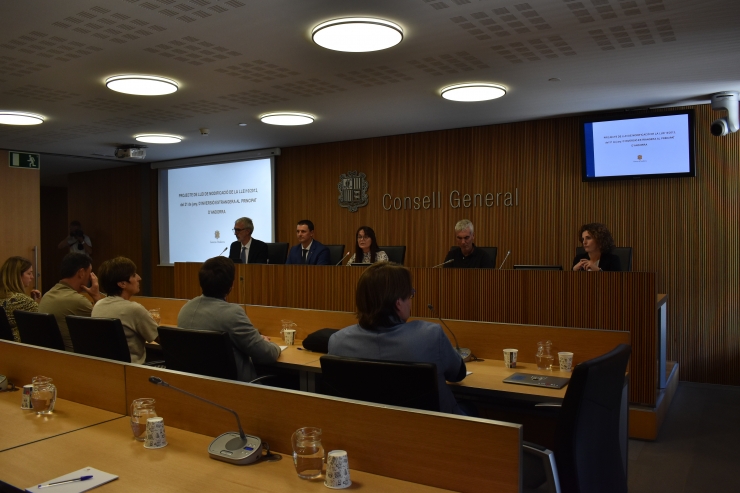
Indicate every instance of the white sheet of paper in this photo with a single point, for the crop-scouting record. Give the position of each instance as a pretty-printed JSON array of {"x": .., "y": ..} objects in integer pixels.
[
  {"x": 468, "y": 373},
  {"x": 98, "y": 478},
  {"x": 283, "y": 348}
]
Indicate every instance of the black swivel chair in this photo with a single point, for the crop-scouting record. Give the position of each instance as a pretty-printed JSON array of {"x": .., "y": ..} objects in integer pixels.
[
  {"x": 588, "y": 450},
  {"x": 336, "y": 253},
  {"x": 39, "y": 329},
  {"x": 203, "y": 352},
  {"x": 277, "y": 253},
  {"x": 395, "y": 253},
  {"x": 101, "y": 337},
  {"x": 6, "y": 333},
  {"x": 394, "y": 383},
  {"x": 624, "y": 254}
]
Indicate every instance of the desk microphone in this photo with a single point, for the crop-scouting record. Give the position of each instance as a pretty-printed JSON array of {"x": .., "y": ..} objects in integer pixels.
[
  {"x": 465, "y": 353},
  {"x": 505, "y": 258},
  {"x": 231, "y": 447},
  {"x": 444, "y": 263},
  {"x": 342, "y": 259},
  {"x": 222, "y": 252}
]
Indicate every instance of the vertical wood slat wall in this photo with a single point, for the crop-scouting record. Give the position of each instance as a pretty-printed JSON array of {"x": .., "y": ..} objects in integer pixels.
[{"x": 686, "y": 230}]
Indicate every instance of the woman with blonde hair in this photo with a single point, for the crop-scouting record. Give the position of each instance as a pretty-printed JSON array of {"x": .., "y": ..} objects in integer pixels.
[{"x": 16, "y": 276}]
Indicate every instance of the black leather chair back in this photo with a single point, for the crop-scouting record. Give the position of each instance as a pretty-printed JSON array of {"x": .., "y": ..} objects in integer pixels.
[
  {"x": 336, "y": 252},
  {"x": 394, "y": 383},
  {"x": 587, "y": 445},
  {"x": 6, "y": 333},
  {"x": 395, "y": 254},
  {"x": 101, "y": 337},
  {"x": 624, "y": 254},
  {"x": 492, "y": 252},
  {"x": 39, "y": 329},
  {"x": 203, "y": 352},
  {"x": 277, "y": 253}
]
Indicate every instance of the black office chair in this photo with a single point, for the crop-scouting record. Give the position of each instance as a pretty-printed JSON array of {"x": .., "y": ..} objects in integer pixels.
[
  {"x": 491, "y": 251},
  {"x": 336, "y": 253},
  {"x": 587, "y": 452},
  {"x": 394, "y": 383},
  {"x": 39, "y": 329},
  {"x": 203, "y": 352},
  {"x": 6, "y": 333},
  {"x": 277, "y": 253},
  {"x": 101, "y": 337},
  {"x": 624, "y": 254},
  {"x": 395, "y": 254}
]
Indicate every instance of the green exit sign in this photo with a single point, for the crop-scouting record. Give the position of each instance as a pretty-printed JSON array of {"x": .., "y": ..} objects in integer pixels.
[{"x": 24, "y": 160}]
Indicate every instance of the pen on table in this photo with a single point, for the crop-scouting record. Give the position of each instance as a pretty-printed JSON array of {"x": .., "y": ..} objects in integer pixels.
[
  {"x": 299, "y": 348},
  {"x": 83, "y": 478}
]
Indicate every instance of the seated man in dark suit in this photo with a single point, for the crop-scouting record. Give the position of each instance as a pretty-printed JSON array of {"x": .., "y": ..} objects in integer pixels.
[
  {"x": 211, "y": 311},
  {"x": 247, "y": 250},
  {"x": 307, "y": 251},
  {"x": 466, "y": 256}
]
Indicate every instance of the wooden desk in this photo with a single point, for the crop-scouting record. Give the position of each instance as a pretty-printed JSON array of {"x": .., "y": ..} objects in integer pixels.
[
  {"x": 182, "y": 466},
  {"x": 488, "y": 376},
  {"x": 21, "y": 427}
]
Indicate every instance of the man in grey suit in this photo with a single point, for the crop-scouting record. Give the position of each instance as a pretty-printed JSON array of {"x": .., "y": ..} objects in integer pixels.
[{"x": 211, "y": 311}]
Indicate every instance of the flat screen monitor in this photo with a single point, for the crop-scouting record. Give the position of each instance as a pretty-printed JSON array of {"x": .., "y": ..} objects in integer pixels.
[{"x": 628, "y": 147}]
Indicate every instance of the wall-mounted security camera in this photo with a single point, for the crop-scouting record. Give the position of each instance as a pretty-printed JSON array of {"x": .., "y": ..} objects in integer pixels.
[{"x": 725, "y": 101}]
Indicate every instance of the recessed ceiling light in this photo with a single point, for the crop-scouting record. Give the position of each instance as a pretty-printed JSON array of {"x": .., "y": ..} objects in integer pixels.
[
  {"x": 473, "y": 91},
  {"x": 357, "y": 34},
  {"x": 20, "y": 118},
  {"x": 242, "y": 124},
  {"x": 287, "y": 118},
  {"x": 142, "y": 85},
  {"x": 158, "y": 138}
]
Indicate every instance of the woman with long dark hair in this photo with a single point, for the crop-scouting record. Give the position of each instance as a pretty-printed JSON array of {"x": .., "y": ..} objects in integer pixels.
[{"x": 366, "y": 248}]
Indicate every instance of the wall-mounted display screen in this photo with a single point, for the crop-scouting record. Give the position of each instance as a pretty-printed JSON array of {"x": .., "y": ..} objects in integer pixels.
[{"x": 624, "y": 147}]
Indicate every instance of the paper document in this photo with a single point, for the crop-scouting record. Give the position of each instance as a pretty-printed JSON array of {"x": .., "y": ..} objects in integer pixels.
[
  {"x": 98, "y": 478},
  {"x": 283, "y": 348}
]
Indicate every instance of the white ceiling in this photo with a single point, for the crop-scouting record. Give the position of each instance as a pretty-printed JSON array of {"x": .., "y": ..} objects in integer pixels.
[{"x": 237, "y": 59}]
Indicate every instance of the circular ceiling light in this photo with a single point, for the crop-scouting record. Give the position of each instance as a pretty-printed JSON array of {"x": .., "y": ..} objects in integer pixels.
[
  {"x": 474, "y": 91},
  {"x": 287, "y": 118},
  {"x": 20, "y": 118},
  {"x": 158, "y": 138},
  {"x": 357, "y": 34},
  {"x": 142, "y": 85}
]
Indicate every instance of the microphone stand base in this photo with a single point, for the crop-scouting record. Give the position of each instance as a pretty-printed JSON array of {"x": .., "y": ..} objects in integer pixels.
[
  {"x": 230, "y": 448},
  {"x": 465, "y": 353}
]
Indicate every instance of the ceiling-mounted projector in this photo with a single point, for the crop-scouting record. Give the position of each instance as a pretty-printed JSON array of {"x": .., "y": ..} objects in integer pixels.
[{"x": 131, "y": 152}]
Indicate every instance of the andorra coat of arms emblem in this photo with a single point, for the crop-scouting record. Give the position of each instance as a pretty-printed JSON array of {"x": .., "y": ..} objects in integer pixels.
[{"x": 353, "y": 190}]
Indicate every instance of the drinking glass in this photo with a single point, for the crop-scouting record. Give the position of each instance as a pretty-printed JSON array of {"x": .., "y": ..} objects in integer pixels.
[
  {"x": 308, "y": 453},
  {"x": 154, "y": 312},
  {"x": 141, "y": 410},
  {"x": 544, "y": 357},
  {"x": 43, "y": 395}
]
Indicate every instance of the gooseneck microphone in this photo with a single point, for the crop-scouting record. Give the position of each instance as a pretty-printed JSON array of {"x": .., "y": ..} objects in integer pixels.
[
  {"x": 342, "y": 259},
  {"x": 222, "y": 252},
  {"x": 231, "y": 447},
  {"x": 505, "y": 258},
  {"x": 465, "y": 353},
  {"x": 444, "y": 263}
]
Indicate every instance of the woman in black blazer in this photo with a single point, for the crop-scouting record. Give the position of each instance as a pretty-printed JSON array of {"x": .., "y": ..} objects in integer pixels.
[{"x": 598, "y": 243}]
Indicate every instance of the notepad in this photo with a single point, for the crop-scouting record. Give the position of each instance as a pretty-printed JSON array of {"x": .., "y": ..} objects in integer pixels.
[{"x": 98, "y": 478}]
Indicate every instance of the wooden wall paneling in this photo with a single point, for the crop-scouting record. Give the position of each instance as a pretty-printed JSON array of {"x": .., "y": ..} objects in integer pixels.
[
  {"x": 54, "y": 227},
  {"x": 83, "y": 379},
  {"x": 108, "y": 204},
  {"x": 20, "y": 202},
  {"x": 483, "y": 456}
]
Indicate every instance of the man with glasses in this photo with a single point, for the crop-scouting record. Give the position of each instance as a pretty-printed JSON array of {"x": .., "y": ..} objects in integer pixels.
[{"x": 247, "y": 250}]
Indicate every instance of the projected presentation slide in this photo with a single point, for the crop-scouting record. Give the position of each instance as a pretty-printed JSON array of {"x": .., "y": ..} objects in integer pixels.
[
  {"x": 641, "y": 146},
  {"x": 205, "y": 201}
]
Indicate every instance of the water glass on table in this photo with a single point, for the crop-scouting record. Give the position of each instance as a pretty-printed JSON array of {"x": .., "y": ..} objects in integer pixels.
[
  {"x": 308, "y": 453},
  {"x": 43, "y": 395},
  {"x": 156, "y": 316}
]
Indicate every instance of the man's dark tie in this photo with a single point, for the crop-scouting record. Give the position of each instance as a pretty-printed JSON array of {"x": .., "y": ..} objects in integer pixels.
[
  {"x": 305, "y": 254},
  {"x": 244, "y": 254}
]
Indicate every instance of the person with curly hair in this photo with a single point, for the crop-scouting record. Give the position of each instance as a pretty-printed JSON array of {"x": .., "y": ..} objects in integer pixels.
[
  {"x": 16, "y": 277},
  {"x": 598, "y": 243}
]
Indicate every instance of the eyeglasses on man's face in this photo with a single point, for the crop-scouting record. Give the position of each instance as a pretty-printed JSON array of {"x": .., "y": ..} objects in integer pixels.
[{"x": 238, "y": 230}]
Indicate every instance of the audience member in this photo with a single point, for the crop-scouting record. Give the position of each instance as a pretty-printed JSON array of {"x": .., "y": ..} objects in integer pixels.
[
  {"x": 383, "y": 300},
  {"x": 16, "y": 277},
  {"x": 598, "y": 243},
  {"x": 466, "y": 255},
  {"x": 66, "y": 298},
  {"x": 77, "y": 241},
  {"x": 366, "y": 249},
  {"x": 307, "y": 251},
  {"x": 120, "y": 282},
  {"x": 211, "y": 311},
  {"x": 247, "y": 250}
]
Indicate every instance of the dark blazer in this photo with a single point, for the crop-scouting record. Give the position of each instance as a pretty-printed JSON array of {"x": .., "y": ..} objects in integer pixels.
[
  {"x": 318, "y": 255},
  {"x": 608, "y": 262},
  {"x": 257, "y": 252}
]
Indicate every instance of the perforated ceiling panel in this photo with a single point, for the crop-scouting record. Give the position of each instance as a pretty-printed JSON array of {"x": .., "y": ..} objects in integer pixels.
[
  {"x": 253, "y": 98},
  {"x": 191, "y": 10},
  {"x": 105, "y": 24},
  {"x": 374, "y": 76},
  {"x": 106, "y": 104},
  {"x": 257, "y": 71},
  {"x": 449, "y": 63},
  {"x": 193, "y": 51},
  {"x": 309, "y": 87},
  {"x": 37, "y": 93}
]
